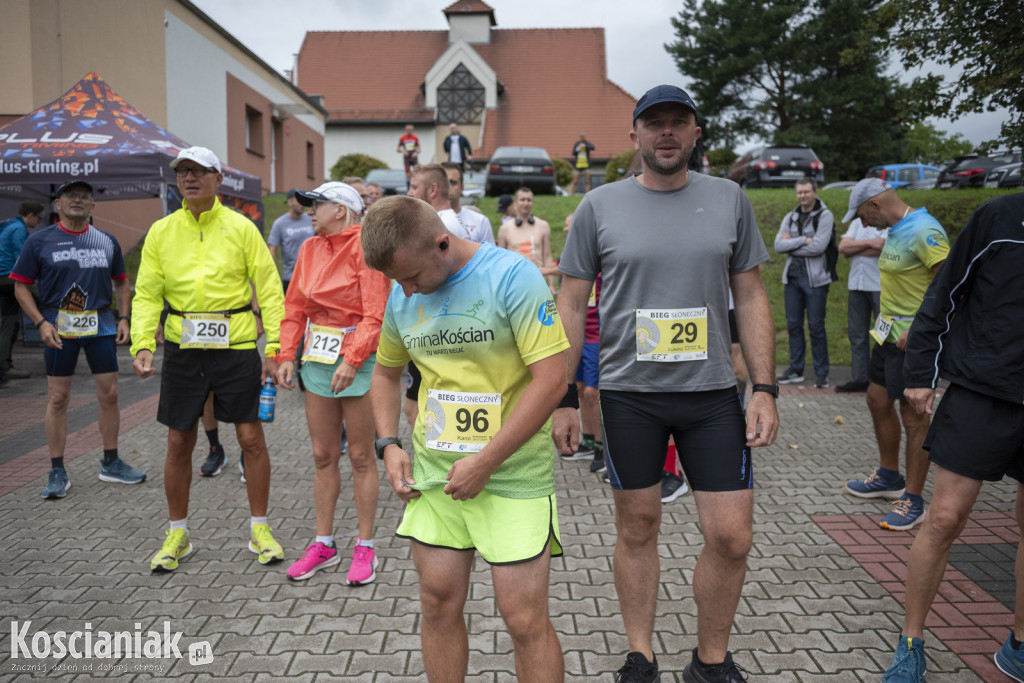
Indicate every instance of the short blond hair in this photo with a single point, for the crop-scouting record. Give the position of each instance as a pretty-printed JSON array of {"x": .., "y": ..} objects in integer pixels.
[
  {"x": 433, "y": 173},
  {"x": 398, "y": 221}
]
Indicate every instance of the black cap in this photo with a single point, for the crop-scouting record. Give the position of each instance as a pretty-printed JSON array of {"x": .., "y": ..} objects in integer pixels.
[
  {"x": 67, "y": 185},
  {"x": 660, "y": 94},
  {"x": 291, "y": 193},
  {"x": 504, "y": 201}
]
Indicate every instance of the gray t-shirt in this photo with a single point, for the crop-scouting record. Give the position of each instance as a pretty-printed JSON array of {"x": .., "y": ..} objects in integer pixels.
[
  {"x": 663, "y": 251},
  {"x": 289, "y": 233}
]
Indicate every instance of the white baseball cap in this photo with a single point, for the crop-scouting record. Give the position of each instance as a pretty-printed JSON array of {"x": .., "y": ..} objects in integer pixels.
[
  {"x": 334, "y": 192},
  {"x": 863, "y": 191},
  {"x": 200, "y": 155}
]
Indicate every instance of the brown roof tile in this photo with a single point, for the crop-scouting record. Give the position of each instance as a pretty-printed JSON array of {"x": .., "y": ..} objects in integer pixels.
[
  {"x": 555, "y": 84},
  {"x": 470, "y": 7}
]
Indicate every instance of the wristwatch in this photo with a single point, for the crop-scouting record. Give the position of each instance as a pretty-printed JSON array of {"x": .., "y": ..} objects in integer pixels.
[
  {"x": 772, "y": 389},
  {"x": 380, "y": 444}
]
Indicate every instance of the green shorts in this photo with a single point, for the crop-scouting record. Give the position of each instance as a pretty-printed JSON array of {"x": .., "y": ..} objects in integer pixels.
[
  {"x": 503, "y": 530},
  {"x": 317, "y": 378}
]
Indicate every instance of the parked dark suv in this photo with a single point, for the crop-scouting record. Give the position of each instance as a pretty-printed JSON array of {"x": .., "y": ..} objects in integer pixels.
[
  {"x": 777, "y": 166},
  {"x": 971, "y": 171}
]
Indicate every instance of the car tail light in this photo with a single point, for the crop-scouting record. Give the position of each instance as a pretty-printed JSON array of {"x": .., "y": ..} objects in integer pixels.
[
  {"x": 765, "y": 165},
  {"x": 968, "y": 172},
  {"x": 494, "y": 168},
  {"x": 548, "y": 170},
  {"x": 817, "y": 166}
]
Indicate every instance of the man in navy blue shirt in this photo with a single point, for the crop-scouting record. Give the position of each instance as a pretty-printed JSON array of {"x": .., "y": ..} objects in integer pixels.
[
  {"x": 73, "y": 264},
  {"x": 13, "y": 234}
]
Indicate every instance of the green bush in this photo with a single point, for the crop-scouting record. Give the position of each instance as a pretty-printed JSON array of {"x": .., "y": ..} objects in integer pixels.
[
  {"x": 563, "y": 172},
  {"x": 355, "y": 165},
  {"x": 618, "y": 164}
]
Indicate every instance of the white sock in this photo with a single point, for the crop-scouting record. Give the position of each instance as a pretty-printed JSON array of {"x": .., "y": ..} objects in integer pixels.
[
  {"x": 326, "y": 540},
  {"x": 365, "y": 544},
  {"x": 253, "y": 521},
  {"x": 179, "y": 524}
]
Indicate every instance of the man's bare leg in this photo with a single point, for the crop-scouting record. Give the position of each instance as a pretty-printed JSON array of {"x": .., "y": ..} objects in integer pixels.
[
  {"x": 521, "y": 592},
  {"x": 58, "y": 393},
  {"x": 178, "y": 471},
  {"x": 726, "y": 518},
  {"x": 636, "y": 564},
  {"x": 257, "y": 465},
  {"x": 916, "y": 426},
  {"x": 887, "y": 426},
  {"x": 109, "y": 414},
  {"x": 444, "y": 585}
]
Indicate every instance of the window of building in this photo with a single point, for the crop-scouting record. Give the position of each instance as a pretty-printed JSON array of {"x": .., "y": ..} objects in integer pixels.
[
  {"x": 460, "y": 98},
  {"x": 253, "y": 130},
  {"x": 310, "y": 165}
]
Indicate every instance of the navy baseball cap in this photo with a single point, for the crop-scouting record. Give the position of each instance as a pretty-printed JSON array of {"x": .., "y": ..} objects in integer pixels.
[
  {"x": 72, "y": 183},
  {"x": 660, "y": 94}
]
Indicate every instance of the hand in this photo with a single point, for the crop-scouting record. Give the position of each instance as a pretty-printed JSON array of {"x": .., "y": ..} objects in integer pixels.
[
  {"x": 467, "y": 477},
  {"x": 808, "y": 240},
  {"x": 762, "y": 420},
  {"x": 565, "y": 430},
  {"x": 343, "y": 377},
  {"x": 124, "y": 332},
  {"x": 398, "y": 470},
  {"x": 143, "y": 364},
  {"x": 285, "y": 374},
  {"x": 784, "y": 235},
  {"x": 269, "y": 370},
  {"x": 901, "y": 343},
  {"x": 920, "y": 399},
  {"x": 48, "y": 333}
]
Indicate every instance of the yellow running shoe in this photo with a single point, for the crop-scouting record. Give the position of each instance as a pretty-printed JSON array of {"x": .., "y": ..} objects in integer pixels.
[
  {"x": 263, "y": 544},
  {"x": 177, "y": 546}
]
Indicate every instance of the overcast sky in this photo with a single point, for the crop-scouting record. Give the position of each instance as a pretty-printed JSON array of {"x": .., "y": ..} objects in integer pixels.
[{"x": 635, "y": 33}]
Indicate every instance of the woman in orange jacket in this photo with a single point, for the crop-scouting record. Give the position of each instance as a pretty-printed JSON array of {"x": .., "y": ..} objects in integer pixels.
[{"x": 333, "y": 311}]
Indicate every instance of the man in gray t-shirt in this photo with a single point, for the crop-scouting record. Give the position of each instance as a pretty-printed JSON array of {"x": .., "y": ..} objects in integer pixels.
[
  {"x": 288, "y": 233},
  {"x": 669, "y": 244}
]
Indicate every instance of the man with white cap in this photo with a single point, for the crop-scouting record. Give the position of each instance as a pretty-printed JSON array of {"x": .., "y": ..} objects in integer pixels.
[
  {"x": 915, "y": 248},
  {"x": 74, "y": 265},
  {"x": 201, "y": 259},
  {"x": 669, "y": 244}
]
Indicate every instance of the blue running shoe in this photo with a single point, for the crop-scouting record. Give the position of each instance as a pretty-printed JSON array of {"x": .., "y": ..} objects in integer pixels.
[
  {"x": 1010, "y": 661},
  {"x": 875, "y": 487},
  {"x": 121, "y": 472},
  {"x": 905, "y": 515},
  {"x": 57, "y": 485},
  {"x": 908, "y": 664}
]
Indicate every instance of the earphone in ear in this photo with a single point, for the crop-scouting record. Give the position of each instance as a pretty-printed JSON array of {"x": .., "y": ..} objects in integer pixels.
[
  {"x": 531, "y": 220},
  {"x": 444, "y": 246}
]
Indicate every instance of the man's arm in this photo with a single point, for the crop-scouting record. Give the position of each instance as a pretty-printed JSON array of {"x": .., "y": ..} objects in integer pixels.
[
  {"x": 386, "y": 400},
  {"x": 816, "y": 245},
  {"x": 469, "y": 475},
  {"x": 784, "y": 242},
  {"x": 572, "y": 309},
  {"x": 47, "y": 332},
  {"x": 757, "y": 340},
  {"x": 547, "y": 261},
  {"x": 870, "y": 247},
  {"x": 123, "y": 293}
]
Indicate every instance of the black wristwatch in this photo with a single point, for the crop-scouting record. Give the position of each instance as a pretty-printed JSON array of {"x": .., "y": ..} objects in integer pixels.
[
  {"x": 380, "y": 444},
  {"x": 125, "y": 317},
  {"x": 772, "y": 389}
]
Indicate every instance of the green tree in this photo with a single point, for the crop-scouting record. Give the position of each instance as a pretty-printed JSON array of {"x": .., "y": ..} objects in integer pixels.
[
  {"x": 721, "y": 159},
  {"x": 924, "y": 144},
  {"x": 355, "y": 165},
  {"x": 771, "y": 69},
  {"x": 979, "y": 38},
  {"x": 618, "y": 165}
]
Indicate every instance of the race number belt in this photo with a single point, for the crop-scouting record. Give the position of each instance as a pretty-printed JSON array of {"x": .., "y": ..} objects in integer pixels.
[
  {"x": 211, "y": 330},
  {"x": 324, "y": 345},
  {"x": 883, "y": 325},
  {"x": 461, "y": 420},
  {"x": 74, "y": 324},
  {"x": 670, "y": 335}
]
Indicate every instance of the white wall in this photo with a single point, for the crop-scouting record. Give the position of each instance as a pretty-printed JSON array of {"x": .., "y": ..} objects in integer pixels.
[
  {"x": 197, "y": 88},
  {"x": 378, "y": 141}
]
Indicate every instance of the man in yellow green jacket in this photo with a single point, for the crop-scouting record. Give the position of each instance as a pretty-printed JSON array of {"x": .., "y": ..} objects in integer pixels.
[{"x": 201, "y": 259}]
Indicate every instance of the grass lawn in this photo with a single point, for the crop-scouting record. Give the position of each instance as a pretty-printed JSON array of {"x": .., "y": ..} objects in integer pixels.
[{"x": 952, "y": 208}]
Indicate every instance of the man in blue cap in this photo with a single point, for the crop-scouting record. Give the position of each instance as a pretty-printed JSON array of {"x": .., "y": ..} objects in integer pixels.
[{"x": 669, "y": 244}]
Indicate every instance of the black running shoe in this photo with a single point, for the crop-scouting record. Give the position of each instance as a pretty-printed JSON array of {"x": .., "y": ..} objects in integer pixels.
[
  {"x": 215, "y": 462},
  {"x": 726, "y": 672},
  {"x": 638, "y": 670}
]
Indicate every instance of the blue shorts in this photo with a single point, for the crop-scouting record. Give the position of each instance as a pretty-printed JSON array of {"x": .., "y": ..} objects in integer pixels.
[
  {"x": 317, "y": 378},
  {"x": 587, "y": 370},
  {"x": 100, "y": 353}
]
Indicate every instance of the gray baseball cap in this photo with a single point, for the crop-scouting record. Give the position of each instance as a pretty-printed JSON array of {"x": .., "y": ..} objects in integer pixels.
[{"x": 863, "y": 191}]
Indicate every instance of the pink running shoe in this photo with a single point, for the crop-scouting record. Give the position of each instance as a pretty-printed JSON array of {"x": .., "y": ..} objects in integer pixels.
[
  {"x": 364, "y": 562},
  {"x": 318, "y": 556}
]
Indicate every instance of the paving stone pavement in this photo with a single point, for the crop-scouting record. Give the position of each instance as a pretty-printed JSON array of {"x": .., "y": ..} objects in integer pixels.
[{"x": 809, "y": 612}]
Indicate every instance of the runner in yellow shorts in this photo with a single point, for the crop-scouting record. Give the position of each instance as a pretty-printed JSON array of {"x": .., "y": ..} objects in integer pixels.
[{"x": 480, "y": 325}]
